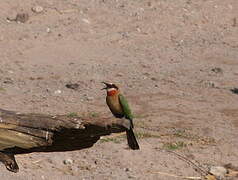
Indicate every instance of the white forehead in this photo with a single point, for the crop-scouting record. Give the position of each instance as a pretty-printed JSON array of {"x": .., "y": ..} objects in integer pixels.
[{"x": 111, "y": 89}]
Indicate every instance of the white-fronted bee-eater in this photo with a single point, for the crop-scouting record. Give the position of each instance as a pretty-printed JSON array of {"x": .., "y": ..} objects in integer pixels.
[{"x": 119, "y": 107}]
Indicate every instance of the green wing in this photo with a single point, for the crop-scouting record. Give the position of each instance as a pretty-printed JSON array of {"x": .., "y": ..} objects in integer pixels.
[{"x": 125, "y": 107}]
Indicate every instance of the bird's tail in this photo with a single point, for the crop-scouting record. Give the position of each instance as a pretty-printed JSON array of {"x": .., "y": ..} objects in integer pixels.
[{"x": 131, "y": 139}]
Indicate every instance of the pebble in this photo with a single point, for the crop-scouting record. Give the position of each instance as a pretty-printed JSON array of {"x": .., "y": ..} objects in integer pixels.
[
  {"x": 22, "y": 17},
  {"x": 58, "y": 91},
  {"x": 86, "y": 21},
  {"x": 127, "y": 169},
  {"x": 154, "y": 79},
  {"x": 217, "y": 70},
  {"x": 218, "y": 171},
  {"x": 37, "y": 9},
  {"x": 209, "y": 84},
  {"x": 138, "y": 29},
  {"x": 72, "y": 86},
  {"x": 8, "y": 81},
  {"x": 119, "y": 74},
  {"x": 68, "y": 161},
  {"x": 48, "y": 30},
  {"x": 89, "y": 98}
]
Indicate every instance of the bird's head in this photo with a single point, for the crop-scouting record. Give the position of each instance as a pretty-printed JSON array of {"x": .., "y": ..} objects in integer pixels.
[{"x": 111, "y": 88}]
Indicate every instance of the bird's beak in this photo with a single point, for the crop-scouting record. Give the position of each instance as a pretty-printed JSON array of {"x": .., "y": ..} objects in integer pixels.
[{"x": 106, "y": 85}]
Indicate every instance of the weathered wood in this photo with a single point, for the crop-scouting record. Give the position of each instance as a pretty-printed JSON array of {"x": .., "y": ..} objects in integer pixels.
[
  {"x": 9, "y": 161},
  {"x": 26, "y": 133}
]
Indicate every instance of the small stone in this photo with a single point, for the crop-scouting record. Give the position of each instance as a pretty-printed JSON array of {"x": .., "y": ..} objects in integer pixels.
[
  {"x": 124, "y": 34},
  {"x": 68, "y": 161},
  {"x": 119, "y": 74},
  {"x": 217, "y": 70},
  {"x": 131, "y": 177},
  {"x": 74, "y": 86},
  {"x": 209, "y": 84},
  {"x": 218, "y": 171},
  {"x": 22, "y": 17},
  {"x": 8, "y": 81},
  {"x": 58, "y": 91},
  {"x": 86, "y": 21},
  {"x": 154, "y": 79},
  {"x": 37, "y": 9},
  {"x": 126, "y": 169},
  {"x": 89, "y": 98},
  {"x": 48, "y": 30}
]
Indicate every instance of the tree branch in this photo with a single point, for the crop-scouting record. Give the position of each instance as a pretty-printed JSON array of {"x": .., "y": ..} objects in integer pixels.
[{"x": 26, "y": 133}]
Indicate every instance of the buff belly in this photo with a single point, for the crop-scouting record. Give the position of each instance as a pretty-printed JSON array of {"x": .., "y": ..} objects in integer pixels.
[{"x": 115, "y": 106}]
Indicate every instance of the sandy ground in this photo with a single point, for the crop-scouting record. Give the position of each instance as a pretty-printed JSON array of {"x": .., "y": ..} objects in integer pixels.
[{"x": 176, "y": 62}]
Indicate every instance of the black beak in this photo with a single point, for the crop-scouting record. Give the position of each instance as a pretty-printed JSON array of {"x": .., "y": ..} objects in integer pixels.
[{"x": 107, "y": 85}]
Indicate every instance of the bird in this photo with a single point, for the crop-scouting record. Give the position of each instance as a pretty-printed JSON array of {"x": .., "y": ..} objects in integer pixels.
[{"x": 120, "y": 108}]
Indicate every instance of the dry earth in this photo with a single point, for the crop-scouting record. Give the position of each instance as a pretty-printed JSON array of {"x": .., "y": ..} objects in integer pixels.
[{"x": 176, "y": 62}]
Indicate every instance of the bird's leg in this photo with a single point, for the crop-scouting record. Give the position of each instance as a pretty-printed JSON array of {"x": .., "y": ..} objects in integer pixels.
[{"x": 9, "y": 161}]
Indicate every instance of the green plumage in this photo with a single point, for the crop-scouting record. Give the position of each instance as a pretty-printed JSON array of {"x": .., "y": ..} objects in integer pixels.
[
  {"x": 125, "y": 107},
  {"x": 131, "y": 139}
]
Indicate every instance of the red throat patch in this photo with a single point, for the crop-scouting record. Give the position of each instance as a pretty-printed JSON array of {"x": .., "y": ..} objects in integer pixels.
[{"x": 111, "y": 92}]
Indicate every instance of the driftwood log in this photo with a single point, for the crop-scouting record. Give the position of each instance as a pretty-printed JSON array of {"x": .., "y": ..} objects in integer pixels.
[{"x": 26, "y": 133}]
